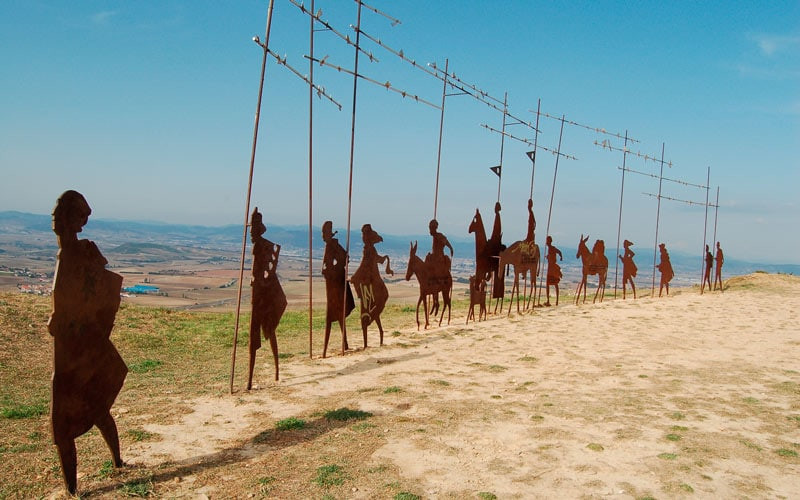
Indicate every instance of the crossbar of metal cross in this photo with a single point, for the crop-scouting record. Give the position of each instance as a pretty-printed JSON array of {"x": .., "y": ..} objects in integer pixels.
[
  {"x": 688, "y": 202},
  {"x": 599, "y": 130},
  {"x": 320, "y": 90},
  {"x": 646, "y": 157},
  {"x": 478, "y": 94},
  {"x": 398, "y": 53},
  {"x": 654, "y": 176},
  {"x": 528, "y": 142},
  {"x": 387, "y": 85},
  {"x": 393, "y": 20},
  {"x": 318, "y": 17}
]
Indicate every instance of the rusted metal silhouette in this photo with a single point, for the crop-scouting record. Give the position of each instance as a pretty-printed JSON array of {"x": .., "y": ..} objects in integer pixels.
[
  {"x": 523, "y": 256},
  {"x": 709, "y": 263},
  {"x": 665, "y": 267},
  {"x": 333, "y": 269},
  {"x": 268, "y": 301},
  {"x": 483, "y": 261},
  {"x": 370, "y": 288},
  {"x": 629, "y": 268},
  {"x": 720, "y": 259},
  {"x": 477, "y": 296},
  {"x": 440, "y": 262},
  {"x": 88, "y": 372},
  {"x": 594, "y": 262},
  {"x": 433, "y": 276},
  {"x": 493, "y": 247},
  {"x": 553, "y": 269}
]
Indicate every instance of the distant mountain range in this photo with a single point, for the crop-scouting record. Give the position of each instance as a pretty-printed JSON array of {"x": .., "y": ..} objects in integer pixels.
[{"x": 32, "y": 234}]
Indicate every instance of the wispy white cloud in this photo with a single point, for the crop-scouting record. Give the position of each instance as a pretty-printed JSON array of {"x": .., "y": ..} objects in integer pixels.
[
  {"x": 103, "y": 18},
  {"x": 771, "y": 45}
]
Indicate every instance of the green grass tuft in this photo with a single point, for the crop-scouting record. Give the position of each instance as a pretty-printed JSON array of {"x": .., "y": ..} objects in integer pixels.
[
  {"x": 595, "y": 446},
  {"x": 343, "y": 414},
  {"x": 673, "y": 437},
  {"x": 139, "y": 435},
  {"x": 290, "y": 423},
  {"x": 330, "y": 475},
  {"x": 404, "y": 495},
  {"x": 667, "y": 456},
  {"x": 24, "y": 411},
  {"x": 144, "y": 366},
  {"x": 485, "y": 495},
  {"x": 784, "y": 452},
  {"x": 142, "y": 487},
  {"x": 392, "y": 389}
]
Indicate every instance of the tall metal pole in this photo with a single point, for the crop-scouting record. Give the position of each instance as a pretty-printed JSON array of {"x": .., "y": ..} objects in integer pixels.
[
  {"x": 705, "y": 227},
  {"x": 502, "y": 144},
  {"x": 619, "y": 221},
  {"x": 250, "y": 189},
  {"x": 441, "y": 128},
  {"x": 714, "y": 241},
  {"x": 311, "y": 186},
  {"x": 535, "y": 143},
  {"x": 555, "y": 173},
  {"x": 658, "y": 216},
  {"x": 350, "y": 182}
]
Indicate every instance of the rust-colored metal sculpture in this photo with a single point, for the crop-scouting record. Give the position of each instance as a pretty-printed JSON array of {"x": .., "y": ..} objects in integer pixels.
[
  {"x": 269, "y": 301},
  {"x": 709, "y": 263},
  {"x": 493, "y": 247},
  {"x": 629, "y": 268},
  {"x": 720, "y": 259},
  {"x": 553, "y": 269},
  {"x": 477, "y": 296},
  {"x": 433, "y": 276},
  {"x": 524, "y": 256},
  {"x": 483, "y": 260},
  {"x": 370, "y": 288},
  {"x": 88, "y": 372},
  {"x": 336, "y": 286},
  {"x": 665, "y": 267},
  {"x": 594, "y": 262}
]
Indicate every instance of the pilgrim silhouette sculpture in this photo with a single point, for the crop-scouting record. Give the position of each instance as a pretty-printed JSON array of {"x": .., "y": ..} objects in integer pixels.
[
  {"x": 370, "y": 288},
  {"x": 629, "y": 268},
  {"x": 718, "y": 271},
  {"x": 88, "y": 372},
  {"x": 268, "y": 299},
  {"x": 665, "y": 267},
  {"x": 339, "y": 296},
  {"x": 493, "y": 247},
  {"x": 553, "y": 269},
  {"x": 709, "y": 262}
]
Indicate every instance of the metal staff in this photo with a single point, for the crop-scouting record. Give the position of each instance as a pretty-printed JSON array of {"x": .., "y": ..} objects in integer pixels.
[
  {"x": 619, "y": 221},
  {"x": 705, "y": 224},
  {"x": 658, "y": 215},
  {"x": 350, "y": 181},
  {"x": 439, "y": 151},
  {"x": 250, "y": 185},
  {"x": 311, "y": 187}
]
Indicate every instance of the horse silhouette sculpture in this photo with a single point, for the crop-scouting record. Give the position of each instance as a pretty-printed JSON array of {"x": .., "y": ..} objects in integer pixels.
[
  {"x": 432, "y": 279},
  {"x": 483, "y": 261},
  {"x": 524, "y": 257},
  {"x": 594, "y": 262}
]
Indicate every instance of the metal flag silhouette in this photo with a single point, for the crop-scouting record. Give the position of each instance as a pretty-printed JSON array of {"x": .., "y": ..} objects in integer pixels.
[
  {"x": 367, "y": 280},
  {"x": 268, "y": 300},
  {"x": 88, "y": 372},
  {"x": 336, "y": 286},
  {"x": 629, "y": 268}
]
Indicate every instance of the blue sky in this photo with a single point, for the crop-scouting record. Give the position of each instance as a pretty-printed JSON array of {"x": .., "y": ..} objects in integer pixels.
[{"x": 147, "y": 108}]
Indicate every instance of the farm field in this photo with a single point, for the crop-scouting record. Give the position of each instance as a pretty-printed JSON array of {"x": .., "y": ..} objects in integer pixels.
[{"x": 687, "y": 395}]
